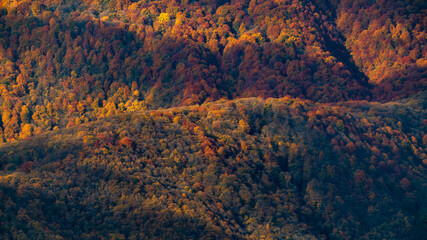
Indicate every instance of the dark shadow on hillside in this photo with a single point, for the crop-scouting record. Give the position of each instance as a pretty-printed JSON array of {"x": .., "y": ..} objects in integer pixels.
[
  {"x": 39, "y": 149},
  {"x": 343, "y": 54},
  {"x": 92, "y": 220}
]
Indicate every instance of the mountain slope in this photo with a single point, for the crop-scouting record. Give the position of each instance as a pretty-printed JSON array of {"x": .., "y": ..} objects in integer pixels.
[
  {"x": 82, "y": 60},
  {"x": 231, "y": 169},
  {"x": 387, "y": 40},
  {"x": 266, "y": 119}
]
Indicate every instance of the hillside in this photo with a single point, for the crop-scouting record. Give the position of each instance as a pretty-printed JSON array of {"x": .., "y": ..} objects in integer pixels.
[
  {"x": 64, "y": 63},
  {"x": 231, "y": 119},
  {"x": 387, "y": 40},
  {"x": 248, "y": 168}
]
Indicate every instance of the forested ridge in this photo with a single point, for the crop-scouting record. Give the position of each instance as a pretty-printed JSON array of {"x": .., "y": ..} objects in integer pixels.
[
  {"x": 247, "y": 168},
  {"x": 64, "y": 63},
  {"x": 260, "y": 119}
]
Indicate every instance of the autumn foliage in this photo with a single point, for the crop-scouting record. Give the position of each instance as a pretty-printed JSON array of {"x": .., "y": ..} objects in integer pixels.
[
  {"x": 231, "y": 169},
  {"x": 184, "y": 119}
]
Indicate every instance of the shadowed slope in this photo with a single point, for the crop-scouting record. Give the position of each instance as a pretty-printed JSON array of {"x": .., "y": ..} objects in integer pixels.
[{"x": 246, "y": 168}]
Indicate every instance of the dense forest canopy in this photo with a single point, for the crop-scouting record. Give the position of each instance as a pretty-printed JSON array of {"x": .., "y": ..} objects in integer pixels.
[
  {"x": 87, "y": 59},
  {"x": 240, "y": 119},
  {"x": 247, "y": 168}
]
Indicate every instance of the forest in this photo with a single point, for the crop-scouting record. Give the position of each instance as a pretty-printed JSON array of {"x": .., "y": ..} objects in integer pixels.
[{"x": 231, "y": 119}]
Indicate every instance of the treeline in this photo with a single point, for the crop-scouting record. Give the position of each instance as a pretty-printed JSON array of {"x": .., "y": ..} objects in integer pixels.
[{"x": 243, "y": 169}]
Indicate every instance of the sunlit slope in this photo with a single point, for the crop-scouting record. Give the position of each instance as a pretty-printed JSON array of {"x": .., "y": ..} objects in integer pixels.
[
  {"x": 67, "y": 62},
  {"x": 387, "y": 40}
]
